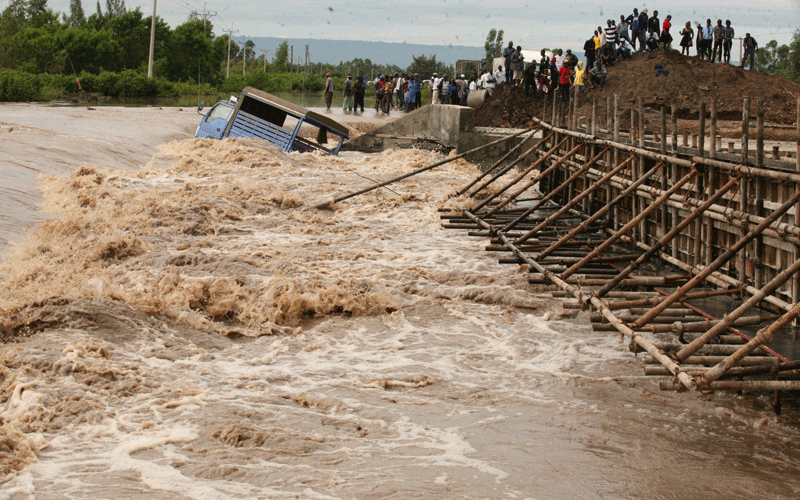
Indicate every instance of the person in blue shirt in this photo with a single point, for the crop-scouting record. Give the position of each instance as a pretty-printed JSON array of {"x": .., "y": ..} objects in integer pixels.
[
  {"x": 411, "y": 93},
  {"x": 507, "y": 53},
  {"x": 642, "y": 30},
  {"x": 727, "y": 40},
  {"x": 359, "y": 88},
  {"x": 750, "y": 46},
  {"x": 453, "y": 89}
]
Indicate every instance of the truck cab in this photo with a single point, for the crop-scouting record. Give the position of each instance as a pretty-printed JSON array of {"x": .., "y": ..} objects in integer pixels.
[
  {"x": 215, "y": 120},
  {"x": 255, "y": 113}
]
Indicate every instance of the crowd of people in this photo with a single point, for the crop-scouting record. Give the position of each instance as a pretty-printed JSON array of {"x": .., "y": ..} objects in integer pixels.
[
  {"x": 552, "y": 74},
  {"x": 712, "y": 42}
]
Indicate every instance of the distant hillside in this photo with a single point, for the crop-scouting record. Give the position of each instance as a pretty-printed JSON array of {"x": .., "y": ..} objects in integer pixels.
[{"x": 334, "y": 51}]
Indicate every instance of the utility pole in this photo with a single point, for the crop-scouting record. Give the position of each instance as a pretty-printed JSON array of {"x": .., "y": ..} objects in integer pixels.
[
  {"x": 265, "y": 52},
  {"x": 244, "y": 58},
  {"x": 230, "y": 33},
  {"x": 206, "y": 15},
  {"x": 308, "y": 58},
  {"x": 152, "y": 42},
  {"x": 291, "y": 64}
]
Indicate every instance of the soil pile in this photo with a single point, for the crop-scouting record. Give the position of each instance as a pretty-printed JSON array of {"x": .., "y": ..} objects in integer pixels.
[{"x": 690, "y": 80}]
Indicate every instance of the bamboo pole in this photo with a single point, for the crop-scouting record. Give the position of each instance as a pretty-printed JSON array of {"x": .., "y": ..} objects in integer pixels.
[
  {"x": 701, "y": 326},
  {"x": 728, "y": 320},
  {"x": 674, "y": 113},
  {"x": 627, "y": 227},
  {"x": 655, "y": 300},
  {"x": 719, "y": 262},
  {"x": 796, "y": 280},
  {"x": 522, "y": 175},
  {"x": 638, "y": 339},
  {"x": 759, "y": 132},
  {"x": 655, "y": 248},
  {"x": 745, "y": 130},
  {"x": 748, "y": 385},
  {"x": 574, "y": 201},
  {"x": 418, "y": 171},
  {"x": 673, "y": 175},
  {"x": 599, "y": 280},
  {"x": 715, "y": 349},
  {"x": 726, "y": 214},
  {"x": 597, "y": 215},
  {"x": 500, "y": 173},
  {"x": 713, "y": 151},
  {"x": 764, "y": 336},
  {"x": 544, "y": 108},
  {"x": 665, "y": 207},
  {"x": 553, "y": 192},
  {"x": 640, "y": 107},
  {"x": 702, "y": 130},
  {"x": 719, "y": 279},
  {"x": 713, "y": 360},
  {"x": 638, "y": 202},
  {"x": 698, "y": 226},
  {"x": 758, "y": 242},
  {"x": 500, "y": 161}
]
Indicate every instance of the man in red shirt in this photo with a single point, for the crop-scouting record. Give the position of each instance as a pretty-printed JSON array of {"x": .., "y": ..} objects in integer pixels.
[{"x": 564, "y": 83}]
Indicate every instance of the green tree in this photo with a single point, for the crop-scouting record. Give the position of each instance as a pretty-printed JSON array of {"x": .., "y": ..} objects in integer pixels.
[
  {"x": 248, "y": 52},
  {"x": 77, "y": 17},
  {"x": 426, "y": 66},
  {"x": 39, "y": 15},
  {"x": 774, "y": 60},
  {"x": 13, "y": 18},
  {"x": 281, "y": 61},
  {"x": 36, "y": 50},
  {"x": 494, "y": 44},
  {"x": 92, "y": 51},
  {"x": 114, "y": 8},
  {"x": 132, "y": 31},
  {"x": 191, "y": 54},
  {"x": 781, "y": 60},
  {"x": 470, "y": 68}
]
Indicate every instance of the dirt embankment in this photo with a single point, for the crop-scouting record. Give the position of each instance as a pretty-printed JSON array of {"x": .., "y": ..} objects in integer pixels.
[{"x": 690, "y": 81}]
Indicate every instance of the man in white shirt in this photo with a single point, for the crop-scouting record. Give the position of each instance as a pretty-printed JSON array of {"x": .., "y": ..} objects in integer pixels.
[
  {"x": 437, "y": 80},
  {"x": 559, "y": 59},
  {"x": 499, "y": 75},
  {"x": 490, "y": 81}
]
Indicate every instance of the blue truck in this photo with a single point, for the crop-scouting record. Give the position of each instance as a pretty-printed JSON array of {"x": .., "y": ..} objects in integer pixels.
[{"x": 255, "y": 113}]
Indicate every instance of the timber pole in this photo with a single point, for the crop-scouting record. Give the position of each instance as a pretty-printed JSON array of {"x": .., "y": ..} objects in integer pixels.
[
  {"x": 718, "y": 263},
  {"x": 630, "y": 225},
  {"x": 418, "y": 171}
]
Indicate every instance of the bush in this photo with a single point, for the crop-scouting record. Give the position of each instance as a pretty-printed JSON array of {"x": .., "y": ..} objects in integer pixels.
[
  {"x": 257, "y": 79},
  {"x": 20, "y": 86},
  {"x": 234, "y": 83}
]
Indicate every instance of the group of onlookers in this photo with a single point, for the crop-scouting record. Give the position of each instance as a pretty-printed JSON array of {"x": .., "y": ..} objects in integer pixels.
[
  {"x": 713, "y": 43},
  {"x": 556, "y": 73}
]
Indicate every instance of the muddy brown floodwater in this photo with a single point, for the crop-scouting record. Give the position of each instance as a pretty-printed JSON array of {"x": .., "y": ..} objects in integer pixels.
[{"x": 181, "y": 324}]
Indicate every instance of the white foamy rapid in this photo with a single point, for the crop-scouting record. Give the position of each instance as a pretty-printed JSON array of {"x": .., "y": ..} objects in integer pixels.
[{"x": 194, "y": 329}]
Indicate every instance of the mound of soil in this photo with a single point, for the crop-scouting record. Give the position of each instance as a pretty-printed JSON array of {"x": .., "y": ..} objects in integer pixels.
[{"x": 690, "y": 80}]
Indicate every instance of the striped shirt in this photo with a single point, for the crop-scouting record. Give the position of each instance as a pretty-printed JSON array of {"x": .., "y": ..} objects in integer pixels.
[{"x": 611, "y": 35}]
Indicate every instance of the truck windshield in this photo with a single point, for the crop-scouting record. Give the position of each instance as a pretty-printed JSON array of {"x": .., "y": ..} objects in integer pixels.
[{"x": 219, "y": 111}]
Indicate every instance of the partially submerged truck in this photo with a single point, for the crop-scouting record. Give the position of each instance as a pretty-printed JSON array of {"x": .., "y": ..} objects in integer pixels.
[{"x": 255, "y": 113}]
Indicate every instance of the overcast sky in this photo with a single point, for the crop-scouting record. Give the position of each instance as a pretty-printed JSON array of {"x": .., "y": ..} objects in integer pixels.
[{"x": 530, "y": 23}]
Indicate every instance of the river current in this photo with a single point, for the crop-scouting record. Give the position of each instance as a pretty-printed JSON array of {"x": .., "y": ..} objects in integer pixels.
[{"x": 181, "y": 323}]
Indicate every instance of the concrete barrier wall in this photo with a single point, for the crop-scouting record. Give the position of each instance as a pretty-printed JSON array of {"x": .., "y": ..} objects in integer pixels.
[
  {"x": 436, "y": 122},
  {"x": 450, "y": 125}
]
